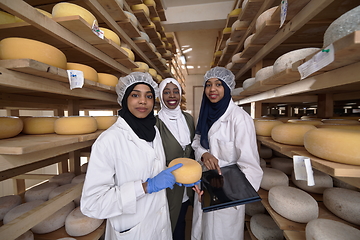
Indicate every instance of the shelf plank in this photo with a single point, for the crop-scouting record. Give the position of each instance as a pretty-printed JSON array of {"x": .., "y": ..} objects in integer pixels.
[
  {"x": 142, "y": 18},
  {"x": 250, "y": 10},
  {"x": 282, "y": 148},
  {"x": 129, "y": 28},
  {"x": 113, "y": 9},
  {"x": 237, "y": 34}
]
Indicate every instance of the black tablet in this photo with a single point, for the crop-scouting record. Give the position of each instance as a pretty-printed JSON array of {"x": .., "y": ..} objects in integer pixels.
[{"x": 227, "y": 190}]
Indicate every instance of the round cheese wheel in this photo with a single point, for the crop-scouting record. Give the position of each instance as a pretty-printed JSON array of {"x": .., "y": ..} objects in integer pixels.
[
  {"x": 322, "y": 182},
  {"x": 6, "y": 18},
  {"x": 227, "y": 30},
  {"x": 158, "y": 54},
  {"x": 305, "y": 121},
  {"x": 340, "y": 121},
  {"x": 230, "y": 65},
  {"x": 189, "y": 173},
  {"x": 109, "y": 34},
  {"x": 291, "y": 133},
  {"x": 104, "y": 122},
  {"x": 239, "y": 24},
  {"x": 151, "y": 25},
  {"x": 264, "y": 227},
  {"x": 346, "y": 117},
  {"x": 327, "y": 229},
  {"x": 83, "y": 167},
  {"x": 248, "y": 40},
  {"x": 62, "y": 178},
  {"x": 218, "y": 53},
  {"x": 130, "y": 54},
  {"x": 293, "y": 204},
  {"x": 39, "y": 125},
  {"x": 108, "y": 79},
  {"x": 64, "y": 9},
  {"x": 263, "y": 127},
  {"x": 10, "y": 126},
  {"x": 236, "y": 91},
  {"x": 264, "y": 73},
  {"x": 262, "y": 163},
  {"x": 20, "y": 210},
  {"x": 342, "y": 26},
  {"x": 237, "y": 58},
  {"x": 39, "y": 10},
  {"x": 265, "y": 152},
  {"x": 338, "y": 145},
  {"x": 285, "y": 119},
  {"x": 89, "y": 72},
  {"x": 344, "y": 203},
  {"x": 17, "y": 48},
  {"x": 143, "y": 67},
  {"x": 132, "y": 18},
  {"x": 254, "y": 208},
  {"x": 75, "y": 125},
  {"x": 248, "y": 82},
  {"x": 286, "y": 60},
  {"x": 143, "y": 7},
  {"x": 79, "y": 178},
  {"x": 153, "y": 47},
  {"x": 150, "y": 3},
  {"x": 28, "y": 235},
  {"x": 7, "y": 203},
  {"x": 265, "y": 16},
  {"x": 283, "y": 164},
  {"x": 120, "y": 3},
  {"x": 153, "y": 72},
  {"x": 159, "y": 78},
  {"x": 235, "y": 12},
  {"x": 155, "y": 19},
  {"x": 273, "y": 177},
  {"x": 60, "y": 189},
  {"x": 341, "y": 126},
  {"x": 40, "y": 192},
  {"x": 143, "y": 36},
  {"x": 77, "y": 224}
]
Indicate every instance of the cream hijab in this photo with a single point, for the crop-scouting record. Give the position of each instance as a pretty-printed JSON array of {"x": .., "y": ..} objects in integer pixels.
[{"x": 173, "y": 118}]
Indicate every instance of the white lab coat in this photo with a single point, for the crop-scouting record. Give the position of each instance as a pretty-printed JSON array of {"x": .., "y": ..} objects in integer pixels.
[
  {"x": 119, "y": 163},
  {"x": 232, "y": 139}
]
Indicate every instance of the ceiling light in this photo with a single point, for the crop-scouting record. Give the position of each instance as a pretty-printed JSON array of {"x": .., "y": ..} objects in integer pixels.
[
  {"x": 187, "y": 50},
  {"x": 190, "y": 67},
  {"x": 183, "y": 59}
]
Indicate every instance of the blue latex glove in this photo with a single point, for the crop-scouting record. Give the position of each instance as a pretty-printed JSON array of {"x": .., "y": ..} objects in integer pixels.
[
  {"x": 165, "y": 179},
  {"x": 189, "y": 185}
]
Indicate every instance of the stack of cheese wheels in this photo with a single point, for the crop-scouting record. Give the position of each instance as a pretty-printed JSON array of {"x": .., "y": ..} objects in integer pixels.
[
  {"x": 143, "y": 67},
  {"x": 322, "y": 182},
  {"x": 334, "y": 144},
  {"x": 263, "y": 127},
  {"x": 291, "y": 133},
  {"x": 293, "y": 204},
  {"x": 109, "y": 34},
  {"x": 6, "y": 18},
  {"x": 104, "y": 122},
  {"x": 314, "y": 122},
  {"x": 7, "y": 203},
  {"x": 132, "y": 18},
  {"x": 77, "y": 224},
  {"x": 344, "y": 203},
  {"x": 89, "y": 72},
  {"x": 39, "y": 10},
  {"x": 264, "y": 73},
  {"x": 64, "y": 9},
  {"x": 40, "y": 192},
  {"x": 10, "y": 126},
  {"x": 265, "y": 16},
  {"x": 273, "y": 177},
  {"x": 264, "y": 227},
  {"x": 39, "y": 125},
  {"x": 141, "y": 6},
  {"x": 62, "y": 178},
  {"x": 342, "y": 26},
  {"x": 341, "y": 121},
  {"x": 285, "y": 61},
  {"x": 16, "y": 48},
  {"x": 129, "y": 53},
  {"x": 107, "y": 79},
  {"x": 320, "y": 228},
  {"x": 75, "y": 125},
  {"x": 283, "y": 164},
  {"x": 189, "y": 173}
]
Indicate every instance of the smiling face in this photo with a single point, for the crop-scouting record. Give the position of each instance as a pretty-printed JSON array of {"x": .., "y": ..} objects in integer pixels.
[
  {"x": 214, "y": 90},
  {"x": 171, "y": 95},
  {"x": 140, "y": 101}
]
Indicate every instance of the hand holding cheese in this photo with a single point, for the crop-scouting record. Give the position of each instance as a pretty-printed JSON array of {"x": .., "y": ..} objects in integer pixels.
[
  {"x": 189, "y": 174},
  {"x": 164, "y": 179}
]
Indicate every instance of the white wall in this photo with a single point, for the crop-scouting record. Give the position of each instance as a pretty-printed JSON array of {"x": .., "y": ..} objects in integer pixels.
[{"x": 193, "y": 94}]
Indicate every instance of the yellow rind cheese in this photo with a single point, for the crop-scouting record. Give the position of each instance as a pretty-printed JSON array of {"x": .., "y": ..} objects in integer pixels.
[
  {"x": 89, "y": 72},
  {"x": 291, "y": 133},
  {"x": 10, "y": 126},
  {"x": 306, "y": 121},
  {"x": 49, "y": 15},
  {"x": 263, "y": 127},
  {"x": 152, "y": 72},
  {"x": 75, "y": 125},
  {"x": 189, "y": 173},
  {"x": 235, "y": 12},
  {"x": 109, "y": 34},
  {"x": 150, "y": 3},
  {"x": 141, "y": 7},
  {"x": 17, "y": 48},
  {"x": 338, "y": 145},
  {"x": 340, "y": 121},
  {"x": 64, "y": 9},
  {"x": 39, "y": 125},
  {"x": 6, "y": 18},
  {"x": 104, "y": 122},
  {"x": 341, "y": 126},
  {"x": 107, "y": 79},
  {"x": 130, "y": 54},
  {"x": 143, "y": 67}
]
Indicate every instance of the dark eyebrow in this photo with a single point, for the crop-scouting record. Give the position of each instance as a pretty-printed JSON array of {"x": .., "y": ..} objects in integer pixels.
[{"x": 134, "y": 90}]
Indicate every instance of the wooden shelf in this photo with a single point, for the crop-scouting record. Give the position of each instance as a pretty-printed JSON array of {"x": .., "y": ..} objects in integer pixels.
[{"x": 129, "y": 28}]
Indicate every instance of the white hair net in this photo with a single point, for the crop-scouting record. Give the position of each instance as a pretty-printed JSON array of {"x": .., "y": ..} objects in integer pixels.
[
  {"x": 134, "y": 77},
  {"x": 223, "y": 74}
]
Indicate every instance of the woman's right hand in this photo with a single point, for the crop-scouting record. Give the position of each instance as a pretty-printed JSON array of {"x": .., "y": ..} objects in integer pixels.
[
  {"x": 198, "y": 191},
  {"x": 211, "y": 162}
]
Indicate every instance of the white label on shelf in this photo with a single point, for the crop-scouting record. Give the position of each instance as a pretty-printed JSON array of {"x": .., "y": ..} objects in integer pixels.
[
  {"x": 317, "y": 62},
  {"x": 76, "y": 78},
  {"x": 303, "y": 169},
  {"x": 97, "y": 30},
  {"x": 283, "y": 12}
]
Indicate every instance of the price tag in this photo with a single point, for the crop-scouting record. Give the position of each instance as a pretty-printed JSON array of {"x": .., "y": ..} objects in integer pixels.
[
  {"x": 317, "y": 62},
  {"x": 97, "y": 30},
  {"x": 283, "y": 12},
  {"x": 76, "y": 78},
  {"x": 303, "y": 170}
]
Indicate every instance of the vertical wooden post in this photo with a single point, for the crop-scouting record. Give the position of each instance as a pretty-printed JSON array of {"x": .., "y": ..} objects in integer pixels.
[
  {"x": 74, "y": 159},
  {"x": 325, "y": 105},
  {"x": 256, "y": 109}
]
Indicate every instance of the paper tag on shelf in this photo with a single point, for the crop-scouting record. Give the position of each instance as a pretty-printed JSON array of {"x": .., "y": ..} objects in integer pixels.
[
  {"x": 303, "y": 169},
  {"x": 76, "y": 78},
  {"x": 97, "y": 30},
  {"x": 317, "y": 62},
  {"x": 283, "y": 12}
]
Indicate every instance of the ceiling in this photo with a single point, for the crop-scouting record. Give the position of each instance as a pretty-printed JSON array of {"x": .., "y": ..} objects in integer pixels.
[{"x": 197, "y": 25}]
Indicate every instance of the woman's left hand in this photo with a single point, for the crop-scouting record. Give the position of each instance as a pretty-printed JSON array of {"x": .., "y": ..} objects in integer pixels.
[{"x": 198, "y": 191}]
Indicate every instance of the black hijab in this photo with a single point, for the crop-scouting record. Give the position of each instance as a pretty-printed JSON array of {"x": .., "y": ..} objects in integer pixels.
[
  {"x": 210, "y": 113},
  {"x": 143, "y": 127}
]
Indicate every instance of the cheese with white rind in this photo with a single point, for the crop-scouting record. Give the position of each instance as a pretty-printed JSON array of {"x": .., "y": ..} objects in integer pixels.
[
  {"x": 293, "y": 204},
  {"x": 344, "y": 25},
  {"x": 262, "y": 163},
  {"x": 64, "y": 9},
  {"x": 264, "y": 227},
  {"x": 143, "y": 36},
  {"x": 83, "y": 167},
  {"x": 264, "y": 73},
  {"x": 60, "y": 189},
  {"x": 10, "y": 126},
  {"x": 248, "y": 40},
  {"x": 79, "y": 178},
  {"x": 7, "y": 203},
  {"x": 322, "y": 181},
  {"x": 291, "y": 133},
  {"x": 39, "y": 125},
  {"x": 189, "y": 173},
  {"x": 254, "y": 208},
  {"x": 248, "y": 82},
  {"x": 341, "y": 184},
  {"x": 20, "y": 210},
  {"x": 265, "y": 152},
  {"x": 28, "y": 235},
  {"x": 108, "y": 79},
  {"x": 239, "y": 24},
  {"x": 283, "y": 164},
  {"x": 338, "y": 145},
  {"x": 89, "y": 72},
  {"x": 263, "y": 17},
  {"x": 273, "y": 177},
  {"x": 17, "y": 48},
  {"x": 75, "y": 125},
  {"x": 344, "y": 203},
  {"x": 77, "y": 224},
  {"x": 263, "y": 127},
  {"x": 62, "y": 178},
  {"x": 328, "y": 229},
  {"x": 132, "y": 18},
  {"x": 104, "y": 122},
  {"x": 286, "y": 60},
  {"x": 40, "y": 192}
]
